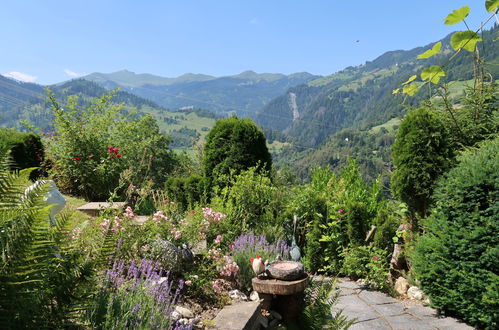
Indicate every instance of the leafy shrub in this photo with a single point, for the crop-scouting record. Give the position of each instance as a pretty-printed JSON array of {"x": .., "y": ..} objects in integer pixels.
[
  {"x": 187, "y": 191},
  {"x": 247, "y": 246},
  {"x": 456, "y": 259},
  {"x": 387, "y": 222},
  {"x": 421, "y": 153},
  {"x": 338, "y": 212},
  {"x": 94, "y": 146},
  {"x": 234, "y": 145},
  {"x": 368, "y": 263},
  {"x": 250, "y": 202},
  {"x": 26, "y": 149}
]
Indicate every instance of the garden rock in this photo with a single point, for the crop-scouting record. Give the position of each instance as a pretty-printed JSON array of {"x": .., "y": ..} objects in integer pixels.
[
  {"x": 401, "y": 285},
  {"x": 186, "y": 313},
  {"x": 166, "y": 254},
  {"x": 285, "y": 270},
  {"x": 186, "y": 253},
  {"x": 415, "y": 293},
  {"x": 175, "y": 316},
  {"x": 254, "y": 296},
  {"x": 237, "y": 295}
]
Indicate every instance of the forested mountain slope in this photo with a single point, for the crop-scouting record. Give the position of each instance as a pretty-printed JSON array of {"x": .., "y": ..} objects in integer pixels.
[{"x": 361, "y": 96}]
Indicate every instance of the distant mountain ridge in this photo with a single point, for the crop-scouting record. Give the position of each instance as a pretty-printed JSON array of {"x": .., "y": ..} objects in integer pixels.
[
  {"x": 244, "y": 93},
  {"x": 361, "y": 96}
]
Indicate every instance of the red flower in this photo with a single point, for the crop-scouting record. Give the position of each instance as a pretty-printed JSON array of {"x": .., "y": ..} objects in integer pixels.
[
  {"x": 118, "y": 155},
  {"x": 77, "y": 158},
  {"x": 341, "y": 211},
  {"x": 116, "y": 150}
]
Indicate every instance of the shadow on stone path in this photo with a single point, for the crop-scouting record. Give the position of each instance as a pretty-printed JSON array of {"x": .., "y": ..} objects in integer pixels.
[{"x": 375, "y": 310}]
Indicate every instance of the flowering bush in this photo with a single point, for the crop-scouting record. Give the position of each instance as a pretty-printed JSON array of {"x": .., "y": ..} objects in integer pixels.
[
  {"x": 247, "y": 246},
  {"x": 93, "y": 146},
  {"x": 137, "y": 296}
]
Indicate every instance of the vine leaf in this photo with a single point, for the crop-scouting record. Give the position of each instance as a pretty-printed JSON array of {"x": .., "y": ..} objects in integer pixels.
[
  {"x": 433, "y": 74},
  {"x": 411, "y": 78},
  {"x": 491, "y": 5},
  {"x": 433, "y": 51},
  {"x": 465, "y": 39},
  {"x": 457, "y": 15},
  {"x": 410, "y": 89}
]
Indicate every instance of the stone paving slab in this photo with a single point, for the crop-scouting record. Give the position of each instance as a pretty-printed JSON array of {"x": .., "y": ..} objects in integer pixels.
[{"x": 376, "y": 310}]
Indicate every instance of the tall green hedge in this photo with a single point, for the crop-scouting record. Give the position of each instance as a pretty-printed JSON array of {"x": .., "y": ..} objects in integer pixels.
[
  {"x": 26, "y": 149},
  {"x": 456, "y": 260},
  {"x": 234, "y": 145}
]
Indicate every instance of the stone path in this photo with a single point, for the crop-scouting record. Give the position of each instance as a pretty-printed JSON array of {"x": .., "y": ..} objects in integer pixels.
[{"x": 375, "y": 310}]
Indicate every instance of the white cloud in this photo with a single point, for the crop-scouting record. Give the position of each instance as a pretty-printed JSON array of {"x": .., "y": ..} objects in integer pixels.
[
  {"x": 21, "y": 76},
  {"x": 72, "y": 73},
  {"x": 254, "y": 21}
]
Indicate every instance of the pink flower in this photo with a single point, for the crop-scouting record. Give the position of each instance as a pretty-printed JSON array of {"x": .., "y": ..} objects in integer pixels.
[
  {"x": 105, "y": 224},
  {"x": 158, "y": 216},
  {"x": 375, "y": 258},
  {"x": 218, "y": 239},
  {"x": 341, "y": 211},
  {"x": 176, "y": 233},
  {"x": 129, "y": 212},
  {"x": 217, "y": 286}
]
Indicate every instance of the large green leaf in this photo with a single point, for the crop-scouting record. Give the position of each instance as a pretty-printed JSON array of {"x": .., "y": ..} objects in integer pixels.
[
  {"x": 465, "y": 39},
  {"x": 430, "y": 52},
  {"x": 410, "y": 89},
  {"x": 433, "y": 74},
  {"x": 457, "y": 15},
  {"x": 491, "y": 5}
]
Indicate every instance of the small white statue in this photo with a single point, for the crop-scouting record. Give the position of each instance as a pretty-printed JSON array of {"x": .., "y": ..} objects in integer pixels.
[{"x": 53, "y": 198}]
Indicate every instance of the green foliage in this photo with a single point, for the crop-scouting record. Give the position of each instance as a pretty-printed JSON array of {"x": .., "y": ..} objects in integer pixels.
[
  {"x": 368, "y": 263},
  {"x": 187, "y": 191},
  {"x": 456, "y": 259},
  {"x": 432, "y": 74},
  {"x": 26, "y": 149},
  {"x": 41, "y": 273},
  {"x": 420, "y": 154},
  {"x": 387, "y": 222},
  {"x": 251, "y": 201},
  {"x": 319, "y": 300},
  {"x": 457, "y": 15},
  {"x": 491, "y": 5},
  {"x": 430, "y": 52},
  {"x": 234, "y": 145},
  {"x": 95, "y": 145},
  {"x": 466, "y": 40},
  {"x": 334, "y": 212}
]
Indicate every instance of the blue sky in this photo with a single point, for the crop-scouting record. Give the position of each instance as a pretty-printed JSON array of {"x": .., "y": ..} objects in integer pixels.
[{"x": 48, "y": 41}]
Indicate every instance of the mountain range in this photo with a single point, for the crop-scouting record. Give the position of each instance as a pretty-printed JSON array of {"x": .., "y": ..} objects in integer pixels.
[{"x": 244, "y": 94}]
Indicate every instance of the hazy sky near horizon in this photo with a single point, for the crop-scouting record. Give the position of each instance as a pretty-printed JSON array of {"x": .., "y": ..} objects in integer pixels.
[{"x": 49, "y": 41}]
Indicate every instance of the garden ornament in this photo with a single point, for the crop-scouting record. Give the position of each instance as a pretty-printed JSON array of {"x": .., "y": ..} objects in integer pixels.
[{"x": 53, "y": 197}]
